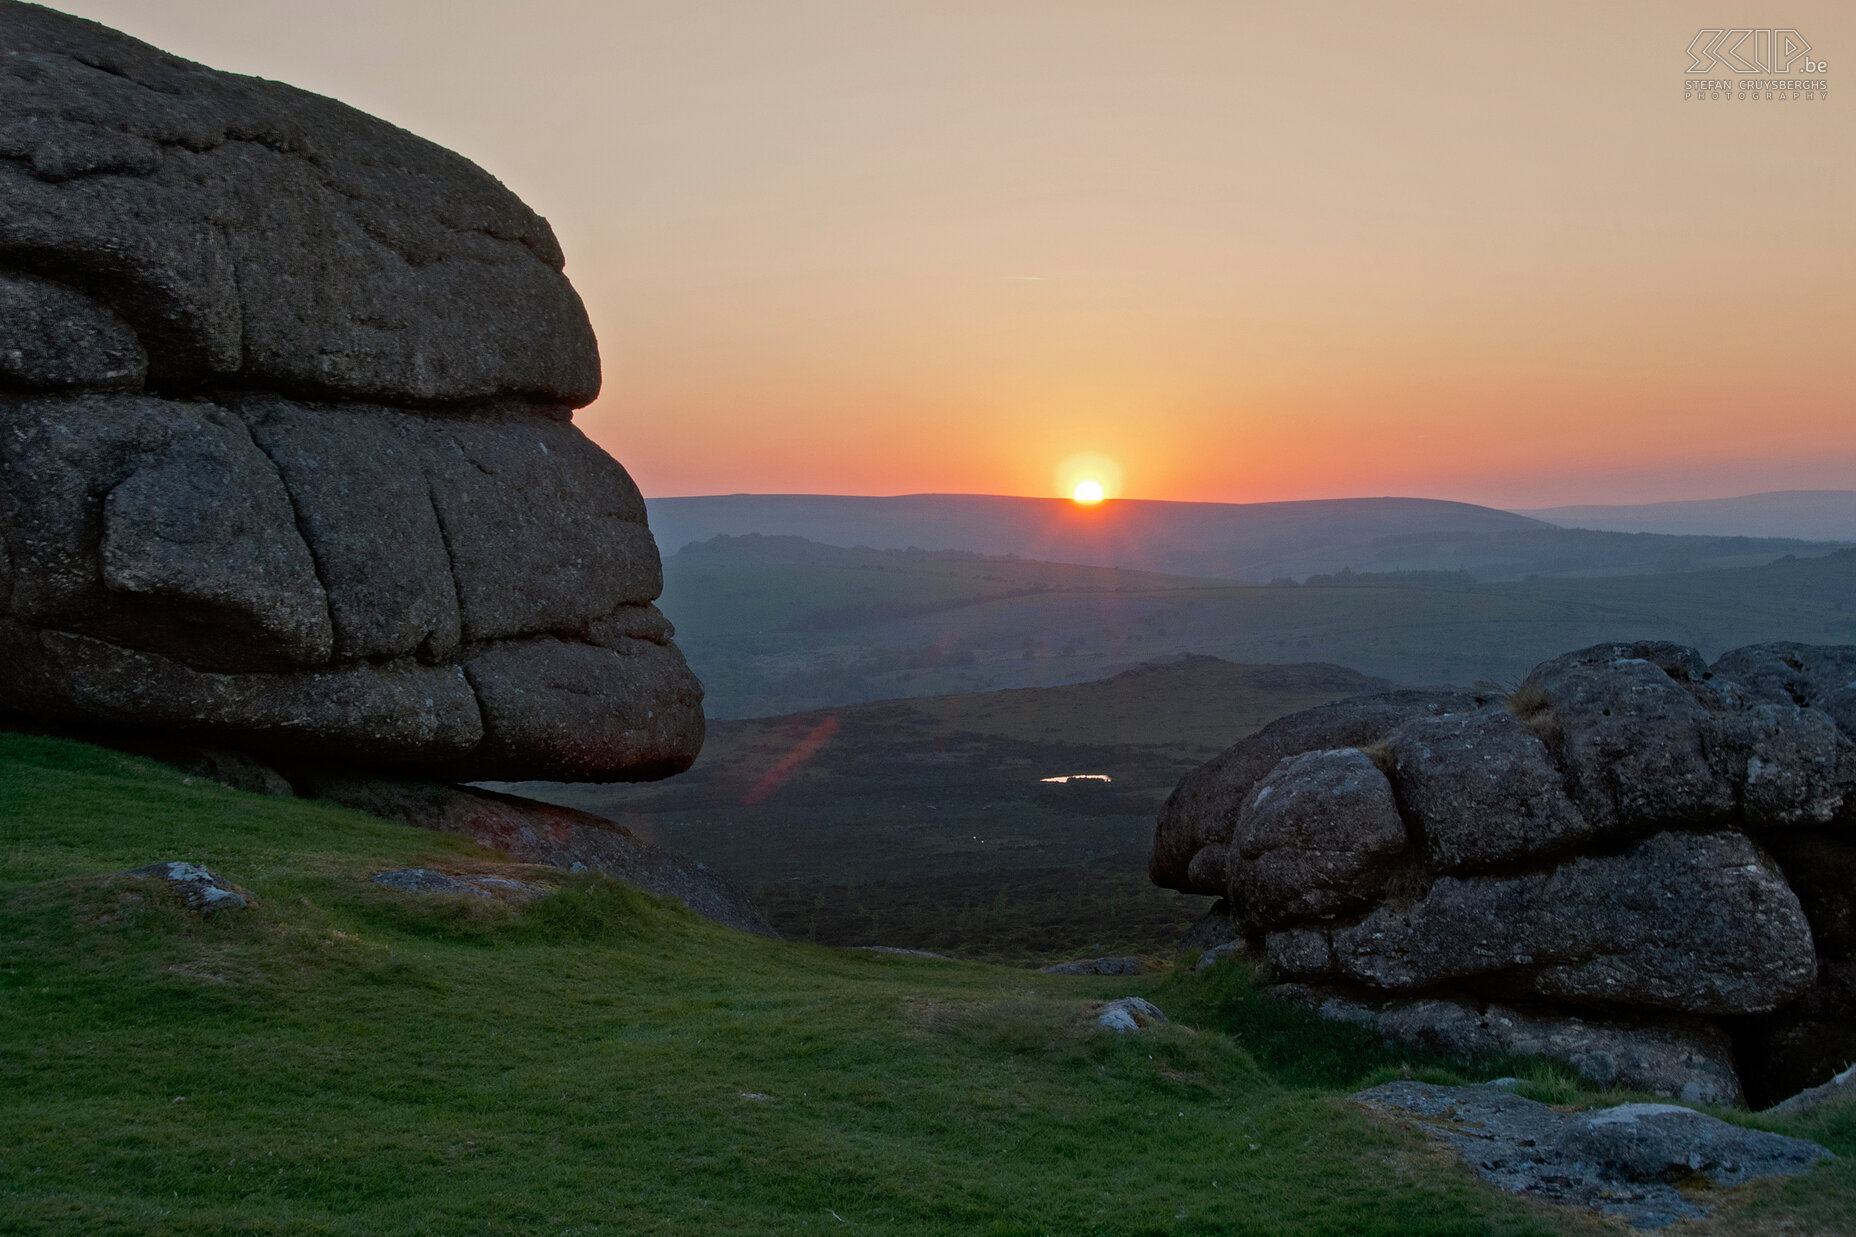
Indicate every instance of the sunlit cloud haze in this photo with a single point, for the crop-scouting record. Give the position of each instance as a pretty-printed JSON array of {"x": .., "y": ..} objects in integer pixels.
[{"x": 1245, "y": 252}]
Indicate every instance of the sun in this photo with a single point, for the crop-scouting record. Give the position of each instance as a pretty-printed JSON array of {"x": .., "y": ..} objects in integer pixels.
[{"x": 1088, "y": 478}]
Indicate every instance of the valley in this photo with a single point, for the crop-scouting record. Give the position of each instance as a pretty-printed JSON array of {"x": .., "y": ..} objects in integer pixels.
[
  {"x": 930, "y": 823},
  {"x": 777, "y": 625}
]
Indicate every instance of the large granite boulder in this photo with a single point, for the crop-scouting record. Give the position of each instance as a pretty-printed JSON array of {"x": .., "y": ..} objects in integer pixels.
[
  {"x": 1812, "y": 676},
  {"x": 247, "y": 231},
  {"x": 1700, "y": 923},
  {"x": 286, "y": 452},
  {"x": 1633, "y": 835},
  {"x": 1631, "y": 736},
  {"x": 1195, "y": 825},
  {"x": 1486, "y": 789},
  {"x": 1317, "y": 836}
]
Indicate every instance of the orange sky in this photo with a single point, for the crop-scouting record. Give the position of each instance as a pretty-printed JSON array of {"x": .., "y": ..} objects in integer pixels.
[{"x": 1470, "y": 251}]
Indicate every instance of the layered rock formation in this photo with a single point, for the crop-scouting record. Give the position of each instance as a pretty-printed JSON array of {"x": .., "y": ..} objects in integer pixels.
[
  {"x": 286, "y": 453},
  {"x": 1633, "y": 838}
]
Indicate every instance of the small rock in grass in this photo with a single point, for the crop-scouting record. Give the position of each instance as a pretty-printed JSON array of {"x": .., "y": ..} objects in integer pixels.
[
  {"x": 1102, "y": 966},
  {"x": 1619, "y": 1161},
  {"x": 1130, "y": 1013},
  {"x": 425, "y": 880},
  {"x": 1229, "y": 949},
  {"x": 197, "y": 887},
  {"x": 1841, "y": 1087}
]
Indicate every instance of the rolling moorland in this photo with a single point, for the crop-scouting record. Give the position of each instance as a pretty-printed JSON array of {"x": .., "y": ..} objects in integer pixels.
[
  {"x": 776, "y": 625},
  {"x": 883, "y": 720},
  {"x": 1232, "y": 541},
  {"x": 927, "y": 824},
  {"x": 343, "y": 1059},
  {"x": 1816, "y": 515}
]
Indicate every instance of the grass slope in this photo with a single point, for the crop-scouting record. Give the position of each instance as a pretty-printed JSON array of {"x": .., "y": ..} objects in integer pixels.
[{"x": 341, "y": 1059}]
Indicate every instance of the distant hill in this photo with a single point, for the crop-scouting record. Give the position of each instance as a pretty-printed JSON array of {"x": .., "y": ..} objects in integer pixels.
[
  {"x": 1814, "y": 515},
  {"x": 1245, "y": 541},
  {"x": 774, "y": 625}
]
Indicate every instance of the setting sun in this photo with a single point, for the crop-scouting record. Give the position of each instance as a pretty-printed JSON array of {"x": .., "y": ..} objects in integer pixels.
[{"x": 1088, "y": 478}]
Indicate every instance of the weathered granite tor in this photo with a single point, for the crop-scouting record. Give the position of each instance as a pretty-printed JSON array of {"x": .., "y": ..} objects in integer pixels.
[
  {"x": 1638, "y": 863},
  {"x": 286, "y": 453}
]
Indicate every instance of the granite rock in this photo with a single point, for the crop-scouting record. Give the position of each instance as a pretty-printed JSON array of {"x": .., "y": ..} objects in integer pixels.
[
  {"x": 251, "y": 231},
  {"x": 1203, "y": 809},
  {"x": 1789, "y": 766},
  {"x": 1127, "y": 1014},
  {"x": 1484, "y": 788},
  {"x": 1635, "y": 837},
  {"x": 54, "y": 338},
  {"x": 1689, "y": 1059},
  {"x": 1700, "y": 923},
  {"x": 1815, "y": 676},
  {"x": 196, "y": 886},
  {"x": 286, "y": 453},
  {"x": 1622, "y": 1161},
  {"x": 1630, "y": 736},
  {"x": 1317, "y": 836}
]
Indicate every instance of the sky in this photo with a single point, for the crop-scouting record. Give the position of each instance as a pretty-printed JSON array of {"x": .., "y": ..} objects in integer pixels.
[{"x": 1220, "y": 251}]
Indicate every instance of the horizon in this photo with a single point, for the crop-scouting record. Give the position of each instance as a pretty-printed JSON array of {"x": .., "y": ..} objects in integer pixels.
[
  {"x": 1059, "y": 498},
  {"x": 1480, "y": 256}
]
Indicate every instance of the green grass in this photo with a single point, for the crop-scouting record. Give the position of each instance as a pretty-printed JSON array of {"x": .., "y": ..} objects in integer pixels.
[{"x": 341, "y": 1059}]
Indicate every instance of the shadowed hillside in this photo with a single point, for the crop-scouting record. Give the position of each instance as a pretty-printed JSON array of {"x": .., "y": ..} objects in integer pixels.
[
  {"x": 1818, "y": 515},
  {"x": 778, "y": 625},
  {"x": 1240, "y": 541},
  {"x": 929, "y": 823}
]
